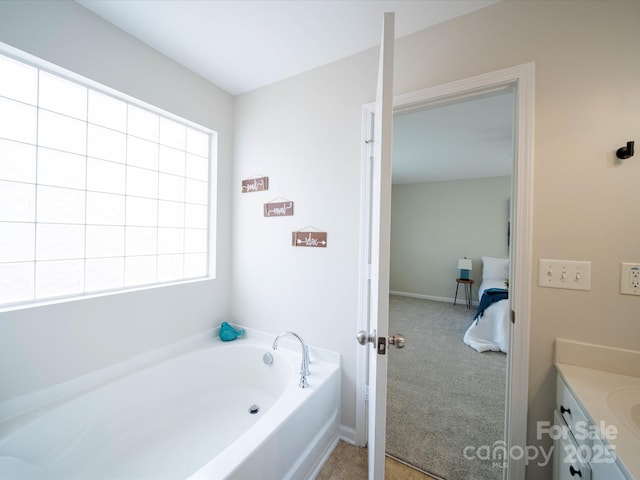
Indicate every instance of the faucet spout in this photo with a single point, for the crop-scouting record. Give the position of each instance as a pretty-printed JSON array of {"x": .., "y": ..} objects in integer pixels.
[{"x": 304, "y": 365}]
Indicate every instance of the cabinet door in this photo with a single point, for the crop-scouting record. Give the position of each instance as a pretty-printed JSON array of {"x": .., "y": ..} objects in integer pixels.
[{"x": 568, "y": 458}]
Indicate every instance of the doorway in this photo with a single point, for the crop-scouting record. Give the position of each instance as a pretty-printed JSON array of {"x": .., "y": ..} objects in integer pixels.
[
  {"x": 521, "y": 78},
  {"x": 452, "y": 175}
]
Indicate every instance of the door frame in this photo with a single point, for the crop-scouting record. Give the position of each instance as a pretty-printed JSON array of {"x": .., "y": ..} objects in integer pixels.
[{"x": 521, "y": 265}]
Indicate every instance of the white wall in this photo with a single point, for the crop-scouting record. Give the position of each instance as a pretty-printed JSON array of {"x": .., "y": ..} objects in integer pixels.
[
  {"x": 434, "y": 224},
  {"x": 45, "y": 345},
  {"x": 304, "y": 133}
]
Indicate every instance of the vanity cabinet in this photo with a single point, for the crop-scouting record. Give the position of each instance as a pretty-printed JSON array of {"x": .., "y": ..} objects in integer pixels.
[{"x": 579, "y": 453}]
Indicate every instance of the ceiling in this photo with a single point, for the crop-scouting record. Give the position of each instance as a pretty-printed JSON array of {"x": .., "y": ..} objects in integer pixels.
[
  {"x": 472, "y": 138},
  {"x": 241, "y": 45}
]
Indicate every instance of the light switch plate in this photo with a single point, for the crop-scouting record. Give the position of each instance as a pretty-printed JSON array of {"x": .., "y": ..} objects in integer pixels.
[
  {"x": 630, "y": 278},
  {"x": 567, "y": 274}
]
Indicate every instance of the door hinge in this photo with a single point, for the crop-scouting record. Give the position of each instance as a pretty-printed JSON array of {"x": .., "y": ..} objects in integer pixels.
[{"x": 513, "y": 316}]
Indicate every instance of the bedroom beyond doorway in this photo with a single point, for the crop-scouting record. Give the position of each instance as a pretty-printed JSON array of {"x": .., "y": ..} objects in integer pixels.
[
  {"x": 452, "y": 185},
  {"x": 444, "y": 398}
]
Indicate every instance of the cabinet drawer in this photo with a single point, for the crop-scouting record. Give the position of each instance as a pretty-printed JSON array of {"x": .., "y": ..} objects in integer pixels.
[
  {"x": 568, "y": 460},
  {"x": 571, "y": 412}
]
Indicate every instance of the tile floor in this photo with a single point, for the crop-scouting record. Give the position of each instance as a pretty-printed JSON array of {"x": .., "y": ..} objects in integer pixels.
[{"x": 348, "y": 462}]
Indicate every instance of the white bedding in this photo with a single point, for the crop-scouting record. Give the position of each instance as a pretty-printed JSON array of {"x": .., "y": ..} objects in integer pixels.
[{"x": 491, "y": 331}]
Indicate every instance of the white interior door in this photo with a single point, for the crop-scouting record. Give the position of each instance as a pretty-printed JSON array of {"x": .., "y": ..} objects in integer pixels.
[
  {"x": 370, "y": 422},
  {"x": 380, "y": 250}
]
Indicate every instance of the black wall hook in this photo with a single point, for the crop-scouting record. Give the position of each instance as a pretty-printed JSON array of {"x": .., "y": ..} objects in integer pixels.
[{"x": 625, "y": 152}]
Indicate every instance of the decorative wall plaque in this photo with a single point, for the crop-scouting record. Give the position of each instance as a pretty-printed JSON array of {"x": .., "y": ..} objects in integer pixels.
[
  {"x": 278, "y": 209},
  {"x": 309, "y": 239},
  {"x": 256, "y": 184}
]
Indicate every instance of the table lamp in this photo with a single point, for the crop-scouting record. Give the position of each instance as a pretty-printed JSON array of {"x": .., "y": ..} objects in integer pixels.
[{"x": 465, "y": 265}]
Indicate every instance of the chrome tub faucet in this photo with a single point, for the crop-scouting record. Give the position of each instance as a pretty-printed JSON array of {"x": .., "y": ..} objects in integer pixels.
[{"x": 304, "y": 366}]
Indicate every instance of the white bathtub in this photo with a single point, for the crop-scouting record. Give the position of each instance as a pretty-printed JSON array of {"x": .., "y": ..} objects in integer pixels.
[{"x": 186, "y": 418}]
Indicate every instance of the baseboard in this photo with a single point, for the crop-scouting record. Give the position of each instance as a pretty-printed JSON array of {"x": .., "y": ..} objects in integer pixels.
[
  {"x": 347, "y": 434},
  {"x": 428, "y": 297}
]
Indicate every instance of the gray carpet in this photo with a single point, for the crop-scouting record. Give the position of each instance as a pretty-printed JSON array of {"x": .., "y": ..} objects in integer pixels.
[{"x": 442, "y": 395}]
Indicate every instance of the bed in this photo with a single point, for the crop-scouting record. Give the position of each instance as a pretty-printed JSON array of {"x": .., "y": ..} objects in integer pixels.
[{"x": 490, "y": 332}]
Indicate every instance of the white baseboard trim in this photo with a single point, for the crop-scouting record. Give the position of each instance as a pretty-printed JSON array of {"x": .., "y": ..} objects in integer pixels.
[
  {"x": 347, "y": 434},
  {"x": 429, "y": 297}
]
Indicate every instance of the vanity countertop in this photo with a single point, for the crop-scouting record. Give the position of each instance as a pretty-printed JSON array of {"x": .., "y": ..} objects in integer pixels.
[{"x": 593, "y": 389}]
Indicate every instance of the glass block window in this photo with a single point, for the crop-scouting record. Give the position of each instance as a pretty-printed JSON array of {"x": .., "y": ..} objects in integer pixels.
[{"x": 98, "y": 192}]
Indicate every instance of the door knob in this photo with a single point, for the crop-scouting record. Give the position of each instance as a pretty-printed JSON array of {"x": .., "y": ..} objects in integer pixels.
[
  {"x": 365, "y": 337},
  {"x": 397, "y": 340}
]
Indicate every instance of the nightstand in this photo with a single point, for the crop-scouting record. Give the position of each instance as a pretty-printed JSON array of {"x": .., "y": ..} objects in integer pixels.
[{"x": 467, "y": 290}]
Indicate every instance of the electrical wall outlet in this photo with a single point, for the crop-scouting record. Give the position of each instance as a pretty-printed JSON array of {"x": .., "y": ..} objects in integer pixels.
[
  {"x": 568, "y": 274},
  {"x": 630, "y": 278}
]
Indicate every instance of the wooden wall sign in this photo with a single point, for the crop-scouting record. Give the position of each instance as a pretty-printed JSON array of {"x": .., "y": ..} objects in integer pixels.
[
  {"x": 278, "y": 209},
  {"x": 257, "y": 184},
  {"x": 309, "y": 239}
]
